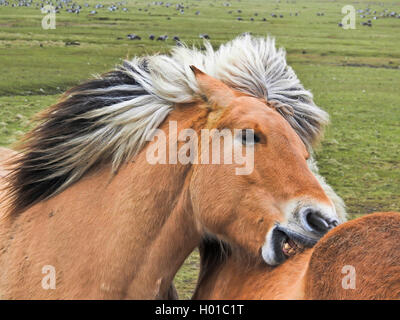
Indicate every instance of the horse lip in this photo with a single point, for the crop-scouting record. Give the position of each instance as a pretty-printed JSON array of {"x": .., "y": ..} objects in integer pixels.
[
  {"x": 278, "y": 239},
  {"x": 280, "y": 235},
  {"x": 296, "y": 236}
]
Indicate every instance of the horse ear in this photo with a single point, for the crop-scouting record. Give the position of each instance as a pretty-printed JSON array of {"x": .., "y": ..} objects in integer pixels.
[{"x": 216, "y": 92}]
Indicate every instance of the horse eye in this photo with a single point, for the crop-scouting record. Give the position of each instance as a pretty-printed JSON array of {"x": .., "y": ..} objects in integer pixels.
[{"x": 249, "y": 137}]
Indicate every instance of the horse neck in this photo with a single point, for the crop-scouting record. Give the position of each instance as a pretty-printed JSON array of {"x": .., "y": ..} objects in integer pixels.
[
  {"x": 138, "y": 223},
  {"x": 234, "y": 276},
  {"x": 180, "y": 232}
]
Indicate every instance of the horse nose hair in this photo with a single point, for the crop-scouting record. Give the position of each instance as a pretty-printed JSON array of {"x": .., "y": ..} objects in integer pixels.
[{"x": 313, "y": 221}]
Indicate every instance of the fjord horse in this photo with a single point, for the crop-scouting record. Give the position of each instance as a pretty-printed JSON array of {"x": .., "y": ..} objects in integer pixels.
[
  {"x": 359, "y": 259},
  {"x": 89, "y": 216}
]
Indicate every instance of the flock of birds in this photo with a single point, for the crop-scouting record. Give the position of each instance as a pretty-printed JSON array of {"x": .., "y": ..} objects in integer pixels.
[
  {"x": 374, "y": 15},
  {"x": 70, "y": 6},
  {"x": 133, "y": 36}
]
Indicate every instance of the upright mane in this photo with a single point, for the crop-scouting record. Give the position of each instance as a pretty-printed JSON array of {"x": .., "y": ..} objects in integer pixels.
[{"x": 108, "y": 119}]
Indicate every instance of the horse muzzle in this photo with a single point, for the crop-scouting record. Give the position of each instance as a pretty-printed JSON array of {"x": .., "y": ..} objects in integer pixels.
[{"x": 304, "y": 230}]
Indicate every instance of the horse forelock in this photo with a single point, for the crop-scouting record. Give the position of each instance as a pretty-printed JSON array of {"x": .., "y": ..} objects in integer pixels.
[{"x": 108, "y": 119}]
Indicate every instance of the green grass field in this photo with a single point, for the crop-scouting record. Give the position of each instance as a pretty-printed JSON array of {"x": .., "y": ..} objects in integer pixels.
[{"x": 354, "y": 75}]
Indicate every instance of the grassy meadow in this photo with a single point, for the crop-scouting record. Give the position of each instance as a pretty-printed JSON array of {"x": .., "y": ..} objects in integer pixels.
[{"x": 354, "y": 74}]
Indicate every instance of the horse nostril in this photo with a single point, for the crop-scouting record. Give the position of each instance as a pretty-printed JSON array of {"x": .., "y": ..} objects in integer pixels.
[{"x": 314, "y": 222}]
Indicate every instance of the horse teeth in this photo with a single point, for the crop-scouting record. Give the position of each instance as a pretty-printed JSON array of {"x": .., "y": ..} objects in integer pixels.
[
  {"x": 300, "y": 246},
  {"x": 291, "y": 252},
  {"x": 291, "y": 247}
]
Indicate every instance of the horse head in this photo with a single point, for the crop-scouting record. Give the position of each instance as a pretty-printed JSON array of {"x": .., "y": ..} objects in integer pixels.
[{"x": 277, "y": 207}]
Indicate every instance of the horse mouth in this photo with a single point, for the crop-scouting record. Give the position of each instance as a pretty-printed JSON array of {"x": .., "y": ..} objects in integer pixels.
[
  {"x": 283, "y": 243},
  {"x": 291, "y": 247}
]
